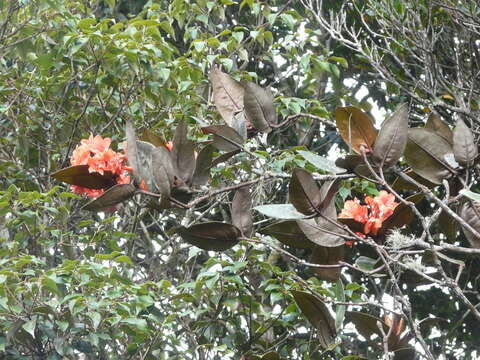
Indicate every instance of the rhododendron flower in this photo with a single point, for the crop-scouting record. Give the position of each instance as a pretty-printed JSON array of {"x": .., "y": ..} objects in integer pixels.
[
  {"x": 96, "y": 153},
  {"x": 169, "y": 145},
  {"x": 372, "y": 215}
]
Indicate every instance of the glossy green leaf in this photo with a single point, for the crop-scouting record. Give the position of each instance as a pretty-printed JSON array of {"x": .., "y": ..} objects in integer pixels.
[
  {"x": 320, "y": 162},
  {"x": 216, "y": 236},
  {"x": 392, "y": 138}
]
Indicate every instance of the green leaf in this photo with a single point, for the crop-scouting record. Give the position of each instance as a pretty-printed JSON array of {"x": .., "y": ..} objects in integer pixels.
[
  {"x": 356, "y": 128},
  {"x": 320, "y": 162},
  {"x": 30, "y": 326},
  {"x": 216, "y": 236},
  {"x": 280, "y": 211},
  {"x": 392, "y": 138},
  {"x": 340, "y": 310},
  {"x": 319, "y": 316}
]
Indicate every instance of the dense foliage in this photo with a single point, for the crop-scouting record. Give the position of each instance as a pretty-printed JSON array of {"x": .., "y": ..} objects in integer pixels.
[{"x": 249, "y": 202}]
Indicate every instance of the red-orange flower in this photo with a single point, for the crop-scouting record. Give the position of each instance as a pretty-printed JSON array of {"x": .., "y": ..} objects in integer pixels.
[
  {"x": 169, "y": 145},
  {"x": 372, "y": 215},
  {"x": 96, "y": 153}
]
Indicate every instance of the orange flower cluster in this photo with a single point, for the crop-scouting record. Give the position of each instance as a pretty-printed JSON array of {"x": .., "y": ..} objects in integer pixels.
[
  {"x": 96, "y": 153},
  {"x": 372, "y": 215}
]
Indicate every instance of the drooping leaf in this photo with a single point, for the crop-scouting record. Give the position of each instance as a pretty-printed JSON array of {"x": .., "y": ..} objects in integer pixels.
[
  {"x": 202, "y": 166},
  {"x": 392, "y": 138},
  {"x": 321, "y": 232},
  {"x": 366, "y": 324},
  {"x": 317, "y": 313},
  {"x": 225, "y": 138},
  {"x": 289, "y": 233},
  {"x": 259, "y": 107},
  {"x": 152, "y": 138},
  {"x": 363, "y": 171},
  {"x": 464, "y": 148},
  {"x": 353, "y": 225},
  {"x": 183, "y": 153},
  {"x": 349, "y": 162},
  {"x": 356, "y": 128},
  {"x": 144, "y": 161},
  {"x": 242, "y": 211},
  {"x": 340, "y": 309},
  {"x": 328, "y": 256},
  {"x": 224, "y": 157},
  {"x": 470, "y": 213},
  {"x": 439, "y": 127},
  {"x": 320, "y": 162},
  {"x": 402, "y": 215},
  {"x": 401, "y": 184},
  {"x": 79, "y": 175},
  {"x": 161, "y": 168},
  {"x": 113, "y": 196},
  {"x": 227, "y": 94},
  {"x": 280, "y": 211},
  {"x": 239, "y": 124},
  {"x": 425, "y": 153},
  {"x": 303, "y": 192},
  {"x": 216, "y": 236},
  {"x": 132, "y": 152}
]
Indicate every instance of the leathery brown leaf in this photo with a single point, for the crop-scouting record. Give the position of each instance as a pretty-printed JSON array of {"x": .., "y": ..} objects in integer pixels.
[
  {"x": 289, "y": 233},
  {"x": 464, "y": 148},
  {"x": 356, "y": 128},
  {"x": 425, "y": 153},
  {"x": 183, "y": 153},
  {"x": 392, "y": 138},
  {"x": 328, "y": 256},
  {"x": 225, "y": 138},
  {"x": 470, "y": 213},
  {"x": 318, "y": 315},
  {"x": 242, "y": 211},
  {"x": 259, "y": 106},
  {"x": 216, "y": 236},
  {"x": 439, "y": 127},
  {"x": 303, "y": 192},
  {"x": 79, "y": 175},
  {"x": 113, "y": 196}
]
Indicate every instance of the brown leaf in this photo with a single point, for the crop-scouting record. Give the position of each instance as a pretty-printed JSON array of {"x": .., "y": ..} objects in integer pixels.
[
  {"x": 439, "y": 127},
  {"x": 328, "y": 256},
  {"x": 470, "y": 213},
  {"x": 152, "y": 138},
  {"x": 242, "y": 211},
  {"x": 401, "y": 184},
  {"x": 317, "y": 313},
  {"x": 183, "y": 153},
  {"x": 80, "y": 176},
  {"x": 425, "y": 153},
  {"x": 202, "y": 166},
  {"x": 144, "y": 160},
  {"x": 162, "y": 174},
  {"x": 303, "y": 192},
  {"x": 132, "y": 152},
  {"x": 289, "y": 233},
  {"x": 259, "y": 107},
  {"x": 225, "y": 138},
  {"x": 464, "y": 147},
  {"x": 356, "y": 128},
  {"x": 113, "y": 196},
  {"x": 366, "y": 324},
  {"x": 224, "y": 157},
  {"x": 392, "y": 138},
  {"x": 352, "y": 224},
  {"x": 402, "y": 215},
  {"x": 227, "y": 95},
  {"x": 216, "y": 236},
  {"x": 321, "y": 232},
  {"x": 349, "y": 162}
]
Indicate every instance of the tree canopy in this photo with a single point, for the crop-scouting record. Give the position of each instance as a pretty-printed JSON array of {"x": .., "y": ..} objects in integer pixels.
[{"x": 239, "y": 179}]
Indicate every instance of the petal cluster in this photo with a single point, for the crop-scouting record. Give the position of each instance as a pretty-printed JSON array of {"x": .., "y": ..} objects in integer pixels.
[
  {"x": 373, "y": 214},
  {"x": 97, "y": 154}
]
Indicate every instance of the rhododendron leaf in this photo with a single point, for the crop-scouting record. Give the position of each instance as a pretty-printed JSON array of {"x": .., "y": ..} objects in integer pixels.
[
  {"x": 392, "y": 138},
  {"x": 470, "y": 213},
  {"x": 225, "y": 138},
  {"x": 160, "y": 170},
  {"x": 319, "y": 316},
  {"x": 464, "y": 147},
  {"x": 448, "y": 225},
  {"x": 280, "y": 211},
  {"x": 303, "y": 192},
  {"x": 113, "y": 196},
  {"x": 242, "y": 211},
  {"x": 213, "y": 235},
  {"x": 259, "y": 106},
  {"x": 401, "y": 184},
  {"x": 183, "y": 153},
  {"x": 227, "y": 94},
  {"x": 356, "y": 128},
  {"x": 152, "y": 138},
  {"x": 328, "y": 256},
  {"x": 439, "y": 127},
  {"x": 80, "y": 176},
  {"x": 353, "y": 225},
  {"x": 321, "y": 232},
  {"x": 363, "y": 171},
  {"x": 366, "y": 324},
  {"x": 202, "y": 166},
  {"x": 325, "y": 198},
  {"x": 349, "y": 162},
  {"x": 224, "y": 157},
  {"x": 402, "y": 215},
  {"x": 289, "y": 233},
  {"x": 239, "y": 124},
  {"x": 320, "y": 162},
  {"x": 132, "y": 152},
  {"x": 425, "y": 153}
]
